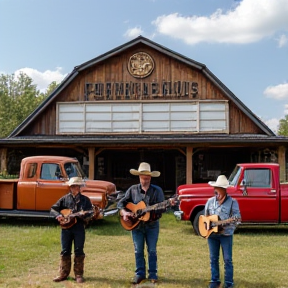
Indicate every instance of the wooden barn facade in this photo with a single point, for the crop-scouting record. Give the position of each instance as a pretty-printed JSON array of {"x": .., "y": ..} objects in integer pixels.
[{"x": 144, "y": 102}]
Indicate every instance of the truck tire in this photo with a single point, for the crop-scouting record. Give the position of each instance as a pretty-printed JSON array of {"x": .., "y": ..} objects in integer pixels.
[{"x": 195, "y": 222}]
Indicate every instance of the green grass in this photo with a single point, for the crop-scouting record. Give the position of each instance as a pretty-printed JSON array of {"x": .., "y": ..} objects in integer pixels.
[{"x": 29, "y": 254}]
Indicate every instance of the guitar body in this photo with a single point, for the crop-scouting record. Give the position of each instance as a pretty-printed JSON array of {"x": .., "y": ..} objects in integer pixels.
[
  {"x": 210, "y": 224},
  {"x": 139, "y": 206},
  {"x": 133, "y": 222},
  {"x": 141, "y": 213},
  {"x": 205, "y": 225},
  {"x": 69, "y": 220}
]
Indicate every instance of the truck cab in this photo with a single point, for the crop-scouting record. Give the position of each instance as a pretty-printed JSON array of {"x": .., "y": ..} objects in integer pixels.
[
  {"x": 262, "y": 199},
  {"x": 43, "y": 180}
]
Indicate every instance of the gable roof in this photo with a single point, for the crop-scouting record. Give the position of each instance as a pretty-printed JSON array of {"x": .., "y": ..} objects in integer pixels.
[{"x": 199, "y": 66}]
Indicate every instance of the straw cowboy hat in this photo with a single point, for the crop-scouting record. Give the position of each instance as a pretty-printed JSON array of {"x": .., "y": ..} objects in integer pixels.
[
  {"x": 75, "y": 181},
  {"x": 144, "y": 169},
  {"x": 221, "y": 182}
]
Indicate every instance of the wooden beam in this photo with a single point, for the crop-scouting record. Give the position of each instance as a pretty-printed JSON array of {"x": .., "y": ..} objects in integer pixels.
[
  {"x": 3, "y": 159},
  {"x": 189, "y": 152},
  {"x": 91, "y": 153},
  {"x": 282, "y": 163}
]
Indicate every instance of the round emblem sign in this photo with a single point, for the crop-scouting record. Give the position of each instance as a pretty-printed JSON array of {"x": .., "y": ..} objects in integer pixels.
[{"x": 140, "y": 65}]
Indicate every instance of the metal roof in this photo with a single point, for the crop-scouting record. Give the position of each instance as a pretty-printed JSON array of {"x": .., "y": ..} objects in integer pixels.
[{"x": 167, "y": 139}]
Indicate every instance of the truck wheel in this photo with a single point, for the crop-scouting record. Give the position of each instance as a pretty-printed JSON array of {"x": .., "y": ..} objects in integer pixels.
[{"x": 195, "y": 222}]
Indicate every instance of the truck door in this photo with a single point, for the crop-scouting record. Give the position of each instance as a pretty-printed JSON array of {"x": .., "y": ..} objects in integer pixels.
[
  {"x": 26, "y": 187},
  {"x": 50, "y": 187},
  {"x": 257, "y": 197}
]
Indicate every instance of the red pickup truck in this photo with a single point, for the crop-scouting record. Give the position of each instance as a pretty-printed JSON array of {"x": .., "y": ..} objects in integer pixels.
[
  {"x": 256, "y": 186},
  {"x": 43, "y": 180}
]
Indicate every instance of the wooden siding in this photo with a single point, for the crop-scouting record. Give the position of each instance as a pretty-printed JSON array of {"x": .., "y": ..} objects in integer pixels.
[{"x": 114, "y": 69}]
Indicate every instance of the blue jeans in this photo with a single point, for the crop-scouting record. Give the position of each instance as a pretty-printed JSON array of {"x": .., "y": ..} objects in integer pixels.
[
  {"x": 146, "y": 232},
  {"x": 215, "y": 241},
  {"x": 74, "y": 234}
]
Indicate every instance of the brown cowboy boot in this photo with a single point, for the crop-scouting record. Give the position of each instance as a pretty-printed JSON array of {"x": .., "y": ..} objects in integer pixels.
[
  {"x": 64, "y": 268},
  {"x": 79, "y": 268}
]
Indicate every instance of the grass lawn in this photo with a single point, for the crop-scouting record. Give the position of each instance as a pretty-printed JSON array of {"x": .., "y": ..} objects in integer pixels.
[{"x": 29, "y": 254}]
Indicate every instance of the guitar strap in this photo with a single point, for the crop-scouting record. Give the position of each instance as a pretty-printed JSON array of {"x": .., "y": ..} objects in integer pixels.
[
  {"x": 230, "y": 199},
  {"x": 230, "y": 214}
]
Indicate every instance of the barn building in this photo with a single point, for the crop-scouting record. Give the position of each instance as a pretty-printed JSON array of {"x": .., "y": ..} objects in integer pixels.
[{"x": 144, "y": 102}]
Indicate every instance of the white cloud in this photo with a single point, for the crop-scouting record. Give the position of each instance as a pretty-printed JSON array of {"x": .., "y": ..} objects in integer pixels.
[
  {"x": 282, "y": 41},
  {"x": 43, "y": 79},
  {"x": 133, "y": 32},
  {"x": 273, "y": 124},
  {"x": 249, "y": 22},
  {"x": 277, "y": 92}
]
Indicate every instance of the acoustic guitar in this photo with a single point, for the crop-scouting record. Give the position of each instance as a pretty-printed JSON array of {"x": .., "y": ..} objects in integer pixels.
[
  {"x": 209, "y": 224},
  {"x": 141, "y": 212},
  {"x": 70, "y": 218}
]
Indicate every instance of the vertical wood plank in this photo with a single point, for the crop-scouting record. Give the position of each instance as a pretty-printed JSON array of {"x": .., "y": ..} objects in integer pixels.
[
  {"x": 91, "y": 155},
  {"x": 281, "y": 161},
  {"x": 189, "y": 152}
]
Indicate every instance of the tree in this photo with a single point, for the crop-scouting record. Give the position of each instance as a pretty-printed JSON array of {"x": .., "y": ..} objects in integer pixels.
[
  {"x": 18, "y": 98},
  {"x": 283, "y": 127},
  {"x": 51, "y": 87}
]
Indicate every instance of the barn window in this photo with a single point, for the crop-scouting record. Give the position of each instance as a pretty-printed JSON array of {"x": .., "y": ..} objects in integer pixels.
[{"x": 144, "y": 117}]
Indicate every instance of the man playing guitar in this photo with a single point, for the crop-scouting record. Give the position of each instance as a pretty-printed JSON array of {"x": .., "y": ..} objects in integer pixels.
[
  {"x": 146, "y": 231},
  {"x": 226, "y": 207},
  {"x": 81, "y": 207}
]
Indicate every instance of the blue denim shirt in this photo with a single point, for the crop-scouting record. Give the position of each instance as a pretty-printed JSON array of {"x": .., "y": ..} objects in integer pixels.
[{"x": 228, "y": 209}]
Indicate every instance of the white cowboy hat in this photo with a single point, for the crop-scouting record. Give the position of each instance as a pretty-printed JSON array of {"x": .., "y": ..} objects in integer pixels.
[
  {"x": 75, "y": 181},
  {"x": 221, "y": 182},
  {"x": 144, "y": 169}
]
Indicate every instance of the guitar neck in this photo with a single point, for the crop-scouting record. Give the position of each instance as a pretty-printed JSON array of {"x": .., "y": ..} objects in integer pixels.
[
  {"x": 220, "y": 222},
  {"x": 161, "y": 205},
  {"x": 80, "y": 213}
]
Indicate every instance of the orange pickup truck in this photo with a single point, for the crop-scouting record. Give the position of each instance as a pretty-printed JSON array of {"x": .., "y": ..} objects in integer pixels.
[{"x": 43, "y": 180}]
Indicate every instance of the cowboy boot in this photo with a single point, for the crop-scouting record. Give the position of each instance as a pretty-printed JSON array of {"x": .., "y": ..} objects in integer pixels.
[
  {"x": 79, "y": 268},
  {"x": 64, "y": 268}
]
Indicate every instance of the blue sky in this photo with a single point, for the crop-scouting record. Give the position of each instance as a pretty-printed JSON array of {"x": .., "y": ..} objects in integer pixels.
[{"x": 243, "y": 43}]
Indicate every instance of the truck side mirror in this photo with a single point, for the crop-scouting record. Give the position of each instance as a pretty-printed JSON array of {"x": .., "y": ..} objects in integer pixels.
[{"x": 244, "y": 189}]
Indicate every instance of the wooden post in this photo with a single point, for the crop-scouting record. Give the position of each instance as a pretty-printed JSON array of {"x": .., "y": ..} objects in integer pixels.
[
  {"x": 282, "y": 163},
  {"x": 189, "y": 152},
  {"x": 3, "y": 159},
  {"x": 91, "y": 155}
]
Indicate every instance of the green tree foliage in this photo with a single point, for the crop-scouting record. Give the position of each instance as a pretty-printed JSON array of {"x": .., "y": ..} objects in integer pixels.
[
  {"x": 18, "y": 98},
  {"x": 283, "y": 126}
]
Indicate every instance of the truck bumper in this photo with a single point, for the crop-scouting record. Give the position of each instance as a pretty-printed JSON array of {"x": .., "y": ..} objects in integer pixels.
[
  {"x": 178, "y": 214},
  {"x": 110, "y": 212}
]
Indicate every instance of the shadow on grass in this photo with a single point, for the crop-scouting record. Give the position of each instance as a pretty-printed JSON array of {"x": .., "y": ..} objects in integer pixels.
[
  {"x": 15, "y": 221},
  {"x": 194, "y": 282},
  {"x": 245, "y": 284},
  {"x": 262, "y": 229},
  {"x": 146, "y": 283}
]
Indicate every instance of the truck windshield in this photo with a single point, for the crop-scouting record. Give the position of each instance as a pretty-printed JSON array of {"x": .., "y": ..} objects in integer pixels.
[
  {"x": 74, "y": 170},
  {"x": 233, "y": 179}
]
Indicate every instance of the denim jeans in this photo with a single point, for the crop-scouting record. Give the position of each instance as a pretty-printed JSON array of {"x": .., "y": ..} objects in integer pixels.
[
  {"x": 77, "y": 234},
  {"x": 215, "y": 241},
  {"x": 146, "y": 232}
]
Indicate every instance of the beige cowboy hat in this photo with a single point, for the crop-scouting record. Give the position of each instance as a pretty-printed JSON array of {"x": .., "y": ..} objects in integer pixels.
[
  {"x": 75, "y": 181},
  {"x": 144, "y": 169},
  {"x": 221, "y": 182}
]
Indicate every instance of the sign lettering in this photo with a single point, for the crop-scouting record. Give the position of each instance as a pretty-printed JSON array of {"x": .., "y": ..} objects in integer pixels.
[{"x": 141, "y": 90}]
